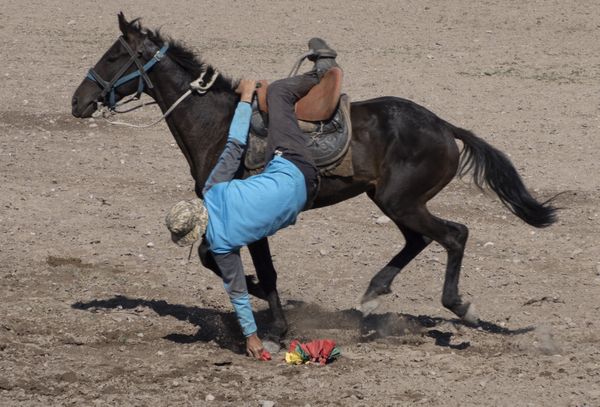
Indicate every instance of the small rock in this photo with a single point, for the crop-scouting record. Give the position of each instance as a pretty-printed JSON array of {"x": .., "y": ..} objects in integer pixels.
[
  {"x": 150, "y": 244},
  {"x": 175, "y": 383},
  {"x": 575, "y": 253},
  {"x": 598, "y": 269},
  {"x": 382, "y": 220},
  {"x": 323, "y": 252},
  {"x": 488, "y": 244},
  {"x": 92, "y": 125},
  {"x": 71, "y": 22},
  {"x": 267, "y": 403},
  {"x": 209, "y": 397},
  {"x": 160, "y": 353}
]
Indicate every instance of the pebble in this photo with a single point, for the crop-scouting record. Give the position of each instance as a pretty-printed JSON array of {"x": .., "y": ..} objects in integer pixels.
[
  {"x": 382, "y": 220},
  {"x": 267, "y": 403},
  {"x": 150, "y": 244},
  {"x": 323, "y": 252},
  {"x": 209, "y": 397},
  {"x": 488, "y": 244},
  {"x": 598, "y": 269},
  {"x": 576, "y": 252}
]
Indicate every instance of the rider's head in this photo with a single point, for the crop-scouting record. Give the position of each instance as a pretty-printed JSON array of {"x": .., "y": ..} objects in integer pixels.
[{"x": 187, "y": 221}]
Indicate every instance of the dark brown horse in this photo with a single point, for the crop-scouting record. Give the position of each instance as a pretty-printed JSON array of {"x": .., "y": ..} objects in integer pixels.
[{"x": 402, "y": 153}]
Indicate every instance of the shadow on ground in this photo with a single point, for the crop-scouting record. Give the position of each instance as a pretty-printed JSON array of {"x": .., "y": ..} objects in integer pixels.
[{"x": 221, "y": 327}]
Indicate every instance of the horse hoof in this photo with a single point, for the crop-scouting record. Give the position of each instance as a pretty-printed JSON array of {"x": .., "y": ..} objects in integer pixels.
[
  {"x": 470, "y": 316},
  {"x": 271, "y": 346},
  {"x": 369, "y": 306}
]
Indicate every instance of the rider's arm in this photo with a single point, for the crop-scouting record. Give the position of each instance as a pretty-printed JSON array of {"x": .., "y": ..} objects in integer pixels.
[
  {"x": 229, "y": 161},
  {"x": 232, "y": 272}
]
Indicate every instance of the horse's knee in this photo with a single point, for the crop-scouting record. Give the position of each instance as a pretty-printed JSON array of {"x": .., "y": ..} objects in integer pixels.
[
  {"x": 457, "y": 238},
  {"x": 462, "y": 232}
]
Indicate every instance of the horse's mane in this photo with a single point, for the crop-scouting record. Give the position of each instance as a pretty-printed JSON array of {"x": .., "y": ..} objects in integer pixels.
[{"x": 189, "y": 60}]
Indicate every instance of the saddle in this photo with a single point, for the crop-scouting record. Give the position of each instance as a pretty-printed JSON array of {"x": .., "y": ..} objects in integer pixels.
[
  {"x": 323, "y": 114},
  {"x": 319, "y": 103}
]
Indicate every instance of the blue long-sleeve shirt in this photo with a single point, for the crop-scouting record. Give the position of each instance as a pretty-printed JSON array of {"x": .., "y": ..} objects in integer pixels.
[
  {"x": 244, "y": 211},
  {"x": 241, "y": 212}
]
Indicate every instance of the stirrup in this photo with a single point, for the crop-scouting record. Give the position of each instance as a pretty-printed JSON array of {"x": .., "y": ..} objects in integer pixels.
[{"x": 298, "y": 63}]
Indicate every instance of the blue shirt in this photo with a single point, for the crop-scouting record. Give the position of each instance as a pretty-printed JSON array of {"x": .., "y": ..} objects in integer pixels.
[{"x": 244, "y": 211}]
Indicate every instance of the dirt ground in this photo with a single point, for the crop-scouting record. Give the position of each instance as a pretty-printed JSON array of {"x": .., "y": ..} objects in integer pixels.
[{"x": 100, "y": 308}]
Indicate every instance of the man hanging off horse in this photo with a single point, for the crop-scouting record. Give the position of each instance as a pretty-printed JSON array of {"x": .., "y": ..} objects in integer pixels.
[{"x": 235, "y": 213}]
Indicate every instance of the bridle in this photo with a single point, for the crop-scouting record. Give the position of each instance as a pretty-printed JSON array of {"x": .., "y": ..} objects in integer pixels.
[
  {"x": 199, "y": 85},
  {"x": 109, "y": 87}
]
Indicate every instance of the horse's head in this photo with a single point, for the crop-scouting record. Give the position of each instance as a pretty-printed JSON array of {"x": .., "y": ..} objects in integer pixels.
[{"x": 120, "y": 72}]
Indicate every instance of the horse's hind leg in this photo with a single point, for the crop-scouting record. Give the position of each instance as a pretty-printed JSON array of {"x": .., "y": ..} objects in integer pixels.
[
  {"x": 453, "y": 237},
  {"x": 381, "y": 283}
]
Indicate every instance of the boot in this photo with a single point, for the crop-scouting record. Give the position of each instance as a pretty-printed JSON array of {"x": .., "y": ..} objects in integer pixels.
[{"x": 322, "y": 55}]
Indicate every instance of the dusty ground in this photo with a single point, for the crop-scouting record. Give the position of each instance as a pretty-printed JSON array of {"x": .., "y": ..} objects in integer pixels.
[{"x": 91, "y": 315}]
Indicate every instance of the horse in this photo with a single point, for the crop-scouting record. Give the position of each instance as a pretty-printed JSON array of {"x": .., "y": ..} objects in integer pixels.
[{"x": 402, "y": 156}]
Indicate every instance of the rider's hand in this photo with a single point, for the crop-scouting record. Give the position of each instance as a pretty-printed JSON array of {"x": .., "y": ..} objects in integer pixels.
[
  {"x": 246, "y": 89},
  {"x": 254, "y": 346}
]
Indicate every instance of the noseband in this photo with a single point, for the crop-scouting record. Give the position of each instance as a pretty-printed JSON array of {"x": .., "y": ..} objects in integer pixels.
[{"x": 109, "y": 87}]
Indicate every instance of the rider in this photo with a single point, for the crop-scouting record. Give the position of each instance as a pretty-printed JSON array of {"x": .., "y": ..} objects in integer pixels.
[{"x": 237, "y": 212}]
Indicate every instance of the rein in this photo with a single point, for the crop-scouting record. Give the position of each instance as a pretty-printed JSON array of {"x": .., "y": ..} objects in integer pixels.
[{"x": 108, "y": 88}]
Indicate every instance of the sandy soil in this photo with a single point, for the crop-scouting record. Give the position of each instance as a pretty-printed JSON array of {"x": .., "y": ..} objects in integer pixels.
[{"x": 93, "y": 314}]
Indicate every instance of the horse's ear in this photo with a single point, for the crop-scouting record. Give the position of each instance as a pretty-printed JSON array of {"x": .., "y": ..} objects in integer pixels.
[
  {"x": 123, "y": 23},
  {"x": 129, "y": 28}
]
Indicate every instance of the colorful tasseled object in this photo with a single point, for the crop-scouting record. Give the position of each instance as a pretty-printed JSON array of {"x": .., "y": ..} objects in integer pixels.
[{"x": 320, "y": 351}]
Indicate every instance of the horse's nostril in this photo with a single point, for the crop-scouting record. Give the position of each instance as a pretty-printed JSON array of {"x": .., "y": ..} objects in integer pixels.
[{"x": 74, "y": 101}]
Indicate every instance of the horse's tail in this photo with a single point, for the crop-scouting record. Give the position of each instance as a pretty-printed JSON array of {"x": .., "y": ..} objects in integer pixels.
[{"x": 492, "y": 167}]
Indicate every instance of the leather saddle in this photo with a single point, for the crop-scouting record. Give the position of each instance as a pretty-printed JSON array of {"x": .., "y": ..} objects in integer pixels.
[{"x": 323, "y": 114}]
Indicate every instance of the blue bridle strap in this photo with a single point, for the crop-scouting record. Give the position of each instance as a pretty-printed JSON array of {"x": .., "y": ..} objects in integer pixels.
[{"x": 108, "y": 88}]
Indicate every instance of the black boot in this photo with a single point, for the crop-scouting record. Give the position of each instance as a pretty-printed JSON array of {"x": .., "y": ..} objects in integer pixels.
[{"x": 322, "y": 55}]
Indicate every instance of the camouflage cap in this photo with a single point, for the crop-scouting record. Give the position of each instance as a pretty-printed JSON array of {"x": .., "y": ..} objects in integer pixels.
[{"x": 186, "y": 220}]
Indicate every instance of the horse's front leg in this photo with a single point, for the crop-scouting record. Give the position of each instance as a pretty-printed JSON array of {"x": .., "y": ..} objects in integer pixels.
[
  {"x": 267, "y": 277},
  {"x": 207, "y": 259}
]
